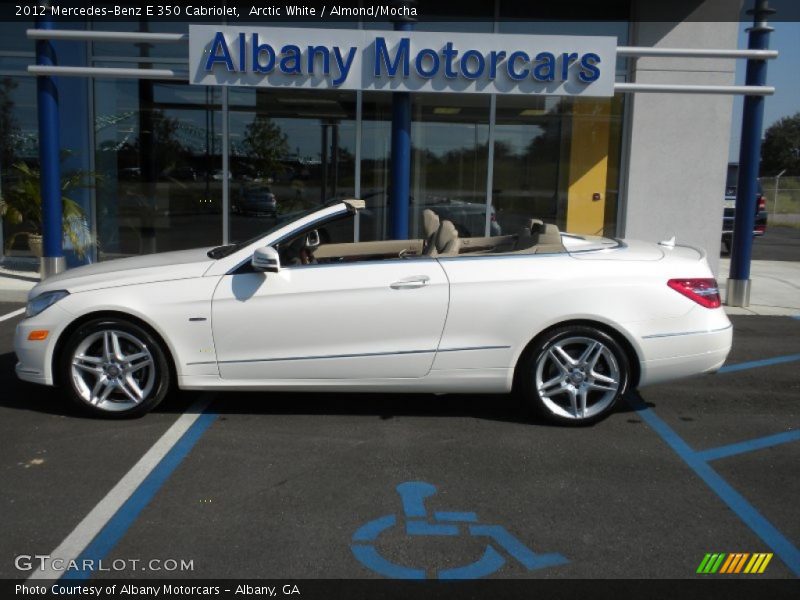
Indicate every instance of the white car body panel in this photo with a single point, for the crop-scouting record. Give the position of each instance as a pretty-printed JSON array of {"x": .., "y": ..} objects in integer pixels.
[
  {"x": 343, "y": 326},
  {"x": 331, "y": 321}
]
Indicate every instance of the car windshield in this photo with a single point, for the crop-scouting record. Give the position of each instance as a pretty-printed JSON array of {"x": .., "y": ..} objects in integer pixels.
[{"x": 228, "y": 249}]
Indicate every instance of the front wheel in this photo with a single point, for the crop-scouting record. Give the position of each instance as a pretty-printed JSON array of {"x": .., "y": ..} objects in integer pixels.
[
  {"x": 575, "y": 375},
  {"x": 115, "y": 369}
]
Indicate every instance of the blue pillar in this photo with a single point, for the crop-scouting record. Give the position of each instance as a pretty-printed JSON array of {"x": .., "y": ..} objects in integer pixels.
[
  {"x": 738, "y": 289},
  {"x": 401, "y": 158},
  {"x": 49, "y": 147},
  {"x": 76, "y": 131}
]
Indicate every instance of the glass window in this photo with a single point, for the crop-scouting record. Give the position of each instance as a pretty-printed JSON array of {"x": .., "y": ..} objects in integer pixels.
[
  {"x": 528, "y": 148},
  {"x": 159, "y": 155},
  {"x": 557, "y": 160},
  {"x": 290, "y": 150},
  {"x": 449, "y": 153},
  {"x": 150, "y": 50},
  {"x": 19, "y": 146},
  {"x": 13, "y": 34}
]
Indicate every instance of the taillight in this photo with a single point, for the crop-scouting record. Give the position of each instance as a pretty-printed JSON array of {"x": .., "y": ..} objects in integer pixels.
[
  {"x": 703, "y": 291},
  {"x": 762, "y": 203}
]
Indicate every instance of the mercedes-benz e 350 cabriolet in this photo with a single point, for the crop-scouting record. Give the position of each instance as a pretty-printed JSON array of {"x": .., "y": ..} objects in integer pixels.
[{"x": 570, "y": 322}]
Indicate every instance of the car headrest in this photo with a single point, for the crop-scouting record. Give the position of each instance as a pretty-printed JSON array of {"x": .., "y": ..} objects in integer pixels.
[
  {"x": 446, "y": 233},
  {"x": 430, "y": 223},
  {"x": 549, "y": 235},
  {"x": 535, "y": 225},
  {"x": 529, "y": 234}
]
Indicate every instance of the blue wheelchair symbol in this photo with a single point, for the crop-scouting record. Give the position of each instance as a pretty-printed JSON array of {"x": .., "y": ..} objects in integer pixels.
[{"x": 412, "y": 495}]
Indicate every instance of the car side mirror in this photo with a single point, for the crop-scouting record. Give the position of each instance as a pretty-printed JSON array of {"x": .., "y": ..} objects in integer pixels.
[{"x": 266, "y": 259}]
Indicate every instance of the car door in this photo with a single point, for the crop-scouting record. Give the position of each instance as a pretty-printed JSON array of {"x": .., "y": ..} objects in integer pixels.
[{"x": 361, "y": 320}]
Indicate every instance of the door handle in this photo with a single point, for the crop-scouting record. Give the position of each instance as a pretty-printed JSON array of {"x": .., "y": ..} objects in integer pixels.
[{"x": 410, "y": 283}]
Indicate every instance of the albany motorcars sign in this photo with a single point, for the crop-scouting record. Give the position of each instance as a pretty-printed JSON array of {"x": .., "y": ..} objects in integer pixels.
[{"x": 414, "y": 61}]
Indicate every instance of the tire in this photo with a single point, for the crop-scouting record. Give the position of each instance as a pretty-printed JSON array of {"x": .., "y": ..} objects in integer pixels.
[
  {"x": 574, "y": 375},
  {"x": 115, "y": 369}
]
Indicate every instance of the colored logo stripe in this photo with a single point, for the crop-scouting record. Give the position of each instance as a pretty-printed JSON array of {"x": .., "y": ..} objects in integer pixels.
[
  {"x": 758, "y": 563},
  {"x": 734, "y": 563},
  {"x": 711, "y": 563}
]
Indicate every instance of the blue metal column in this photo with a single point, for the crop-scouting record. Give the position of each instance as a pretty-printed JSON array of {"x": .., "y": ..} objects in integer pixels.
[
  {"x": 49, "y": 150},
  {"x": 738, "y": 288},
  {"x": 399, "y": 195}
]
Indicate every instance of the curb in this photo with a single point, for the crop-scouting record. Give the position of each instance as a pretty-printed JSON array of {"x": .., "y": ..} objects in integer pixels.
[{"x": 18, "y": 296}]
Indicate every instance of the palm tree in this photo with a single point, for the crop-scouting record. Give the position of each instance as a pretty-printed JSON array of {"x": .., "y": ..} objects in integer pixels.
[{"x": 23, "y": 205}]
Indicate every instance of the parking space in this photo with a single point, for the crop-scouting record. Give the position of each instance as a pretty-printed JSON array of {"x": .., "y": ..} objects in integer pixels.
[{"x": 306, "y": 485}]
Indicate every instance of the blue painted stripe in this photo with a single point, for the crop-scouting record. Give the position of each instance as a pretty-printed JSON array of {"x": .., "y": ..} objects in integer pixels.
[
  {"x": 517, "y": 549},
  {"x": 370, "y": 531},
  {"x": 754, "y": 364},
  {"x": 370, "y": 558},
  {"x": 118, "y": 525},
  {"x": 425, "y": 528},
  {"x": 466, "y": 517},
  {"x": 487, "y": 564},
  {"x": 750, "y": 445},
  {"x": 787, "y": 552}
]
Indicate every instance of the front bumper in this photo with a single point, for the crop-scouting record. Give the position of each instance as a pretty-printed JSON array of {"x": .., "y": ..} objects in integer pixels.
[{"x": 35, "y": 358}]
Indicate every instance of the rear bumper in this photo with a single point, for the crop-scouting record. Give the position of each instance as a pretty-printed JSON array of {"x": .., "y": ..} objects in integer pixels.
[{"x": 683, "y": 354}]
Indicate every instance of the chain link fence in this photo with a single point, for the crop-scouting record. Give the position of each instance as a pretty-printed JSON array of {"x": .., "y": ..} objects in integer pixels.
[{"x": 783, "y": 199}]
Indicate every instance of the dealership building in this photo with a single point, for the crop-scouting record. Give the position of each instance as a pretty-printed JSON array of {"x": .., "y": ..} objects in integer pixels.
[{"x": 198, "y": 133}]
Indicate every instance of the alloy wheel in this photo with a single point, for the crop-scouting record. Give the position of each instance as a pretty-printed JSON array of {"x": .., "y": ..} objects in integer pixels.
[
  {"x": 577, "y": 377},
  {"x": 113, "y": 370}
]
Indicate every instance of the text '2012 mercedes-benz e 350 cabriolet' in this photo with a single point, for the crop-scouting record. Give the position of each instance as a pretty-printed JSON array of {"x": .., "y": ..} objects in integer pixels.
[{"x": 570, "y": 322}]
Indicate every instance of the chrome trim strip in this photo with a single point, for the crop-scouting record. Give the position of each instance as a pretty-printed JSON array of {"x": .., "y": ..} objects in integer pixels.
[
  {"x": 327, "y": 356},
  {"x": 663, "y": 335},
  {"x": 473, "y": 348}
]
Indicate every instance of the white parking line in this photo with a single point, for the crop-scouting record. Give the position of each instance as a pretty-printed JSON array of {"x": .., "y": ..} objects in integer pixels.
[
  {"x": 13, "y": 314},
  {"x": 75, "y": 543}
]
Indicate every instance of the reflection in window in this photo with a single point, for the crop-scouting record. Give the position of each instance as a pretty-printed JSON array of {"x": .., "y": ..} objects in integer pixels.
[
  {"x": 449, "y": 152},
  {"x": 290, "y": 150},
  {"x": 19, "y": 145},
  {"x": 557, "y": 159},
  {"x": 529, "y": 143},
  {"x": 158, "y": 152}
]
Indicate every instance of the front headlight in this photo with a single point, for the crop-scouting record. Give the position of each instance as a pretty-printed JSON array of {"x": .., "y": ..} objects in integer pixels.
[{"x": 42, "y": 301}]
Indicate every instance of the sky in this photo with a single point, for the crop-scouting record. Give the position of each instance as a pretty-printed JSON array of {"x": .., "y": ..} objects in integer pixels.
[{"x": 783, "y": 73}]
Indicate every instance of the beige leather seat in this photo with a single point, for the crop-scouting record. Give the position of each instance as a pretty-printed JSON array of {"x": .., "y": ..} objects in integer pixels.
[
  {"x": 549, "y": 240},
  {"x": 529, "y": 234},
  {"x": 537, "y": 237},
  {"x": 445, "y": 242},
  {"x": 430, "y": 225}
]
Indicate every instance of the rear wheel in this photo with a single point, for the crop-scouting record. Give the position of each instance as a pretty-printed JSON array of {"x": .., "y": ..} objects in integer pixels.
[
  {"x": 575, "y": 375},
  {"x": 115, "y": 369}
]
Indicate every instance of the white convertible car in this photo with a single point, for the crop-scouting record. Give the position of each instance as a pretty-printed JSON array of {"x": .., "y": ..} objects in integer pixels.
[{"x": 570, "y": 322}]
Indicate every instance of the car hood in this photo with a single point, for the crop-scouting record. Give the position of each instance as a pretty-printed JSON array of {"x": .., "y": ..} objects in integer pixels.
[{"x": 183, "y": 264}]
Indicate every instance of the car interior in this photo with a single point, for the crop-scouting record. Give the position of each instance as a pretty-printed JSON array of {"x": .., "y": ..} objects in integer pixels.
[{"x": 441, "y": 240}]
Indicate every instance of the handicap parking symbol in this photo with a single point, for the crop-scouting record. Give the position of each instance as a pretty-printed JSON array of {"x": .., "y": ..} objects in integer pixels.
[{"x": 418, "y": 522}]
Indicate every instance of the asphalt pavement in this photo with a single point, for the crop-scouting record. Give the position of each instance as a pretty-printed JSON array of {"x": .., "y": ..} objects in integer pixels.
[
  {"x": 278, "y": 485},
  {"x": 779, "y": 243}
]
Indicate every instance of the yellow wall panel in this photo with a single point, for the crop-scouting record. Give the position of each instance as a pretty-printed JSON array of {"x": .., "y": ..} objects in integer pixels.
[{"x": 588, "y": 166}]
